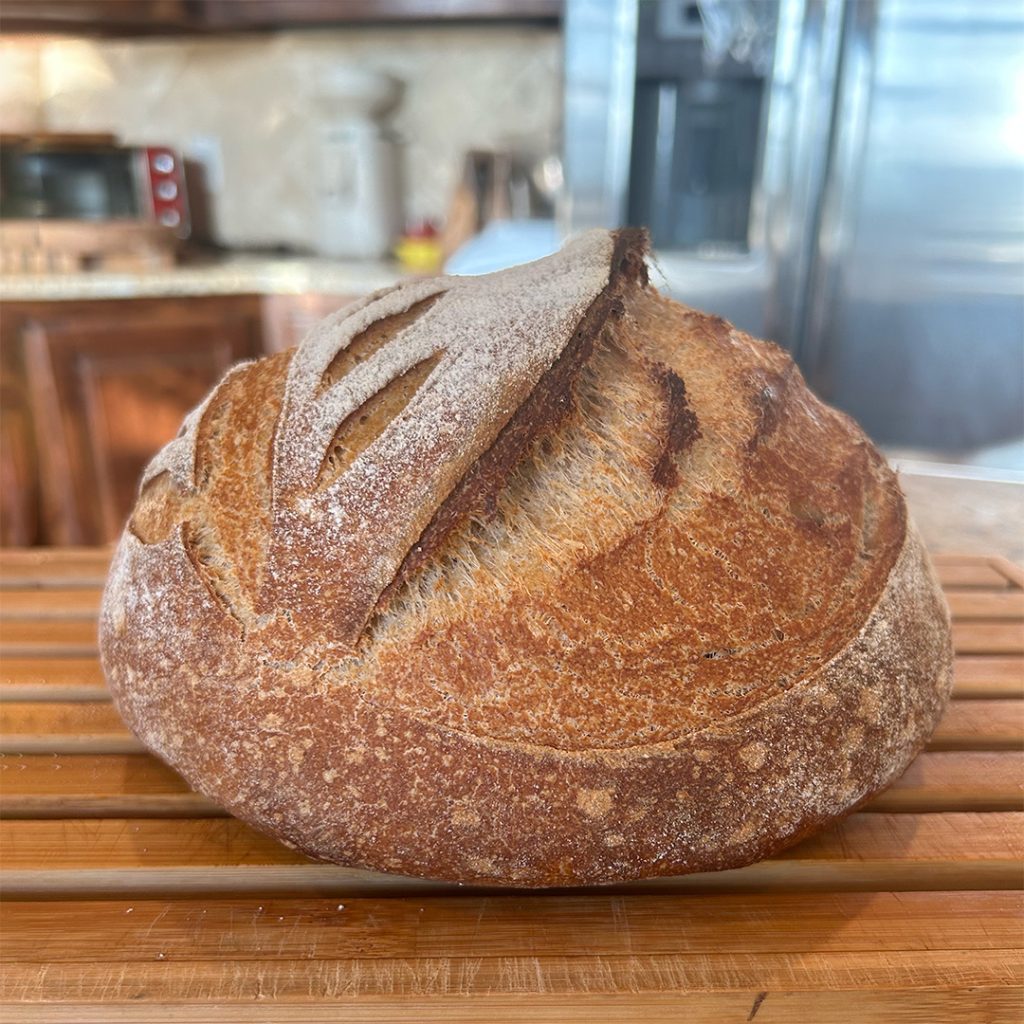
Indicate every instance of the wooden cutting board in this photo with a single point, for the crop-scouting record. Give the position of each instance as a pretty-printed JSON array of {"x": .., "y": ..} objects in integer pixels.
[{"x": 130, "y": 898}]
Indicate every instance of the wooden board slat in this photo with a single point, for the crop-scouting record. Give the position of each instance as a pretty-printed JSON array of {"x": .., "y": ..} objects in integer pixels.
[
  {"x": 580, "y": 924},
  {"x": 56, "y": 603},
  {"x": 81, "y": 857},
  {"x": 47, "y": 567},
  {"x": 523, "y": 945},
  {"x": 957, "y": 558},
  {"x": 957, "y": 781},
  {"x": 52, "y": 679},
  {"x": 140, "y": 786},
  {"x": 926, "y": 986},
  {"x": 1013, "y": 572},
  {"x": 981, "y": 574},
  {"x": 986, "y": 605},
  {"x": 41, "y": 560},
  {"x": 908, "y": 1001},
  {"x": 29, "y": 727},
  {"x": 96, "y": 785},
  {"x": 988, "y": 637},
  {"x": 59, "y": 637},
  {"x": 988, "y": 677},
  {"x": 980, "y": 725}
]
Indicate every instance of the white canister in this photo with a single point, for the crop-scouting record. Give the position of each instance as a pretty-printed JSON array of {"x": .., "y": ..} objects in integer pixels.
[{"x": 359, "y": 208}]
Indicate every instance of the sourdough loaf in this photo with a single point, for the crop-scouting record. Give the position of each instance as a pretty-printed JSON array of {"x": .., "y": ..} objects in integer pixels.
[{"x": 537, "y": 578}]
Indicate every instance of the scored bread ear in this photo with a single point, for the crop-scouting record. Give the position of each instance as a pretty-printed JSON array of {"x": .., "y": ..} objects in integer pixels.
[{"x": 404, "y": 415}]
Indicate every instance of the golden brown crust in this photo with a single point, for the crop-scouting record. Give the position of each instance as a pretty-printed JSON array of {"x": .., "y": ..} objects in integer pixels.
[{"x": 674, "y": 621}]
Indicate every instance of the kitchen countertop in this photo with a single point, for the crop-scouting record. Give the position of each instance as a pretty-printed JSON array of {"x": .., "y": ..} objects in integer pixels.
[
  {"x": 957, "y": 508},
  {"x": 236, "y": 274}
]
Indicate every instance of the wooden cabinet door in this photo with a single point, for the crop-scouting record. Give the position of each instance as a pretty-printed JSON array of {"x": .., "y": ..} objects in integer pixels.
[
  {"x": 109, "y": 384},
  {"x": 92, "y": 16},
  {"x": 19, "y": 499},
  {"x": 287, "y": 319}
]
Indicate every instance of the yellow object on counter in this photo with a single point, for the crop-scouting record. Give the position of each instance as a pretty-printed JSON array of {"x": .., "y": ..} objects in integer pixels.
[{"x": 419, "y": 255}]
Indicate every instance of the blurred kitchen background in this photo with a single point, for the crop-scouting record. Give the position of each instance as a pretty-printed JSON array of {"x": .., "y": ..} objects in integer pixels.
[{"x": 185, "y": 183}]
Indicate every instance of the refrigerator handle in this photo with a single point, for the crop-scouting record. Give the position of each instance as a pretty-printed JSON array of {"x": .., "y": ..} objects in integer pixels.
[
  {"x": 835, "y": 231},
  {"x": 600, "y": 81},
  {"x": 797, "y": 139}
]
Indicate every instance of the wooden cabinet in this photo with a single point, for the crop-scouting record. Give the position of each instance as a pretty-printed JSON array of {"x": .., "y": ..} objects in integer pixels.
[
  {"x": 160, "y": 17},
  {"x": 19, "y": 483},
  {"x": 114, "y": 17},
  {"x": 98, "y": 387},
  {"x": 287, "y": 319},
  {"x": 227, "y": 14}
]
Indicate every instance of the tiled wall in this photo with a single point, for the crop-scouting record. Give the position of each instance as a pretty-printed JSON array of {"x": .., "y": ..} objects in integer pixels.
[
  {"x": 19, "y": 84},
  {"x": 254, "y": 97}
]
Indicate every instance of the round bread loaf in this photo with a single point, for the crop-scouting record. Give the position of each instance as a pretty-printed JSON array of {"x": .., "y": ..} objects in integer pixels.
[{"x": 537, "y": 578}]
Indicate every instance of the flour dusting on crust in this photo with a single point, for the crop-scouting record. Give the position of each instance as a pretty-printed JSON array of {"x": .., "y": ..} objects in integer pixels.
[{"x": 496, "y": 337}]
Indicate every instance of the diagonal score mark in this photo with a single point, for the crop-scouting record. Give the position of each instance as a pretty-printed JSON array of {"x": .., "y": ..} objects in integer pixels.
[
  {"x": 370, "y": 341},
  {"x": 363, "y": 426}
]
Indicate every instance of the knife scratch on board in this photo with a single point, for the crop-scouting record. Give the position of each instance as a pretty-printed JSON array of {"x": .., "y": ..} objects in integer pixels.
[{"x": 761, "y": 997}]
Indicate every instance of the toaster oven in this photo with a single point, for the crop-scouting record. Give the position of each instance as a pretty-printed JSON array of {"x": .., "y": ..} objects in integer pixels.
[{"x": 91, "y": 178}]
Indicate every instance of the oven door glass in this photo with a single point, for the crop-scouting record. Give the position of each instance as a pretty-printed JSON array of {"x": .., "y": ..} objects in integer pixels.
[{"x": 70, "y": 184}]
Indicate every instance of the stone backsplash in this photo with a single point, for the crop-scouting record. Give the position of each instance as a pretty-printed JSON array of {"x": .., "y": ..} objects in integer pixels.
[{"x": 246, "y": 106}]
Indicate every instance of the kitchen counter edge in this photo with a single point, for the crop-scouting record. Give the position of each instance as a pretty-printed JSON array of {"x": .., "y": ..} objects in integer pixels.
[{"x": 238, "y": 275}]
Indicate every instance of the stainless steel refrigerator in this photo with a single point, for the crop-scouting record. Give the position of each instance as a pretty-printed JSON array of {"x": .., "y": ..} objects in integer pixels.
[{"x": 845, "y": 177}]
